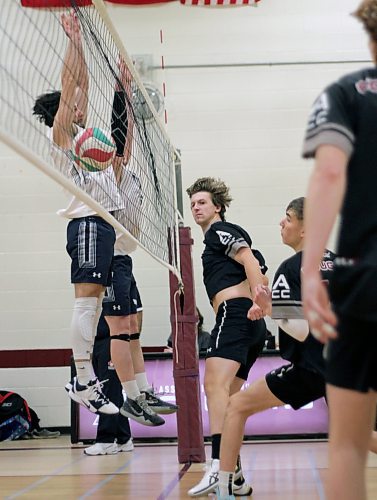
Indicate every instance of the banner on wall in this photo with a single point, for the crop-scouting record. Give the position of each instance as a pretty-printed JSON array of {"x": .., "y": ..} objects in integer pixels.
[
  {"x": 219, "y": 3},
  {"x": 83, "y": 3}
]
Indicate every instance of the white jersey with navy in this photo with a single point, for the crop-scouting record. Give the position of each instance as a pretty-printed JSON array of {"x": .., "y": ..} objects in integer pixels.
[
  {"x": 132, "y": 193},
  {"x": 222, "y": 242},
  {"x": 101, "y": 186},
  {"x": 287, "y": 286}
]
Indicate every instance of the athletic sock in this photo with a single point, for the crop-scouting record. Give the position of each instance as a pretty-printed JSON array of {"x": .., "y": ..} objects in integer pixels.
[
  {"x": 131, "y": 389},
  {"x": 85, "y": 372},
  {"x": 225, "y": 483},
  {"x": 216, "y": 439},
  {"x": 142, "y": 382}
]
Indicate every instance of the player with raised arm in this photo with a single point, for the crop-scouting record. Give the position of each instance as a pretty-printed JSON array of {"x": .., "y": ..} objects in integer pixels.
[
  {"x": 90, "y": 239},
  {"x": 141, "y": 404},
  {"x": 231, "y": 271}
]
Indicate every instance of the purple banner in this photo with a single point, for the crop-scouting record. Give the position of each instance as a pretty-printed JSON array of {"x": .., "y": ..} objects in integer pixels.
[{"x": 312, "y": 419}]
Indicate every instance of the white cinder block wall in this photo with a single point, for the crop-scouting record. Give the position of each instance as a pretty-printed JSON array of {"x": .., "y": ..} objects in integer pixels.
[{"x": 240, "y": 82}]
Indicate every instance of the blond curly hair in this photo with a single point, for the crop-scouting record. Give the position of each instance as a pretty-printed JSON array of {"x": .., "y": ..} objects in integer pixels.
[
  {"x": 367, "y": 14},
  {"x": 218, "y": 190}
]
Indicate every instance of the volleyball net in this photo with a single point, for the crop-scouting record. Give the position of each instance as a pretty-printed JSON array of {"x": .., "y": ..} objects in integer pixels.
[{"x": 139, "y": 198}]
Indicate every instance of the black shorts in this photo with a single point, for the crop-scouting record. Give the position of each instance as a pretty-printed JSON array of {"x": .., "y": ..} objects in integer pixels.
[
  {"x": 295, "y": 385},
  {"x": 236, "y": 337},
  {"x": 120, "y": 296},
  {"x": 351, "y": 358},
  {"x": 90, "y": 244}
]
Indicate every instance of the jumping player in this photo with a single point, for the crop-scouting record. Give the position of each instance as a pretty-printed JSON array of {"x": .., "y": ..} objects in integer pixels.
[
  {"x": 231, "y": 272},
  {"x": 141, "y": 405},
  {"x": 90, "y": 239}
]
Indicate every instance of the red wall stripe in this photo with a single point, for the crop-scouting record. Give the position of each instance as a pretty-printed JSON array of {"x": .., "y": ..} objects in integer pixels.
[{"x": 43, "y": 358}]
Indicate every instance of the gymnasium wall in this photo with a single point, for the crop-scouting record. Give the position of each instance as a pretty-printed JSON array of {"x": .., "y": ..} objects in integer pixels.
[{"x": 240, "y": 82}]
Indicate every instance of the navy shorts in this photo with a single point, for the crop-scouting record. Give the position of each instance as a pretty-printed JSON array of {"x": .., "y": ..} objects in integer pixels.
[
  {"x": 122, "y": 296},
  {"x": 295, "y": 385},
  {"x": 135, "y": 296},
  {"x": 90, "y": 244},
  {"x": 351, "y": 358},
  {"x": 236, "y": 337}
]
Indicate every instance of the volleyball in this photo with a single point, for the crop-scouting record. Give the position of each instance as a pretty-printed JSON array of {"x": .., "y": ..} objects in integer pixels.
[{"x": 93, "y": 149}]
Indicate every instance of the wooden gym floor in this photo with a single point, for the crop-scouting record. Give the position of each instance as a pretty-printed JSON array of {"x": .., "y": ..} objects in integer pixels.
[{"x": 38, "y": 469}]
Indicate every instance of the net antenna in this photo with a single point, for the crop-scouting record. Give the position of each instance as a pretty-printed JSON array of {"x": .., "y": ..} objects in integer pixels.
[{"x": 139, "y": 199}]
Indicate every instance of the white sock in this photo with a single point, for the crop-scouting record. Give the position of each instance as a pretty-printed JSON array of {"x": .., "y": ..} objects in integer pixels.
[
  {"x": 83, "y": 330},
  {"x": 131, "y": 389},
  {"x": 225, "y": 483},
  {"x": 142, "y": 382}
]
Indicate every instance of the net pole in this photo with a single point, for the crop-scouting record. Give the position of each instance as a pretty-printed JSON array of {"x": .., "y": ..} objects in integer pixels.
[
  {"x": 43, "y": 166},
  {"x": 185, "y": 357}
]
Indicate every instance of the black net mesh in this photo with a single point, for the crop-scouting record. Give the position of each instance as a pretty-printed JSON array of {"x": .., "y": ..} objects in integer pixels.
[{"x": 141, "y": 193}]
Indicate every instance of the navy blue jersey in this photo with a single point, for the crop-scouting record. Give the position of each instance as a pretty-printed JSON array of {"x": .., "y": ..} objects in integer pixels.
[
  {"x": 287, "y": 283},
  {"x": 220, "y": 270}
]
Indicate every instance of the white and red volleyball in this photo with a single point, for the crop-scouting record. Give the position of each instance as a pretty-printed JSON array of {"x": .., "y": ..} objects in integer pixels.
[{"x": 93, "y": 149}]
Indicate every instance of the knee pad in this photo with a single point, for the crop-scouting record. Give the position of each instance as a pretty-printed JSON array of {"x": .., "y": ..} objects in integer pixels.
[
  {"x": 83, "y": 327},
  {"x": 122, "y": 336},
  {"x": 134, "y": 336}
]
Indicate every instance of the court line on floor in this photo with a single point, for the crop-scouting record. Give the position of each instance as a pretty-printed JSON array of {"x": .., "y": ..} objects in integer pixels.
[
  {"x": 173, "y": 483},
  {"x": 134, "y": 456},
  {"x": 44, "y": 479},
  {"x": 317, "y": 478}
]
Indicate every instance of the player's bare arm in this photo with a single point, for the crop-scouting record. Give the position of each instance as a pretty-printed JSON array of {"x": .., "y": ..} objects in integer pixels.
[
  {"x": 325, "y": 197},
  {"x": 245, "y": 257},
  {"x": 70, "y": 76}
]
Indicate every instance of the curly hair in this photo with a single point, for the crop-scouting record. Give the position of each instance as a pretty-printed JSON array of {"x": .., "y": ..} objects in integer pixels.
[
  {"x": 46, "y": 107},
  {"x": 297, "y": 206},
  {"x": 218, "y": 190},
  {"x": 367, "y": 14}
]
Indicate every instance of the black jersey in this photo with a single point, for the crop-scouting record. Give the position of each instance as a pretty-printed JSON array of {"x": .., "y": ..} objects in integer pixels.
[
  {"x": 287, "y": 282},
  {"x": 220, "y": 270},
  {"x": 344, "y": 115}
]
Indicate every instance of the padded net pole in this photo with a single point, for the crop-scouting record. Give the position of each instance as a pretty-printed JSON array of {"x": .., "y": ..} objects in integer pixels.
[{"x": 185, "y": 357}]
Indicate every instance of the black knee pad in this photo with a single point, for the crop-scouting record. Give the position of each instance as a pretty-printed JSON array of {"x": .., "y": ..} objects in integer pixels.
[
  {"x": 134, "y": 336},
  {"x": 122, "y": 336}
]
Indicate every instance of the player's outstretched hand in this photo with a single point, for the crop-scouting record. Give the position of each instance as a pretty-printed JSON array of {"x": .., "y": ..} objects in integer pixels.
[{"x": 71, "y": 26}]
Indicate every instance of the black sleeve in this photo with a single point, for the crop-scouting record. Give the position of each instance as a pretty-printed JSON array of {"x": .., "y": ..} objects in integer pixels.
[
  {"x": 260, "y": 259},
  {"x": 330, "y": 121},
  {"x": 119, "y": 122}
]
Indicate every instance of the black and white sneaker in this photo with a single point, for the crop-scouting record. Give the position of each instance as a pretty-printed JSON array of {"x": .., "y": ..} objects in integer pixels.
[
  {"x": 158, "y": 405},
  {"x": 138, "y": 410},
  {"x": 209, "y": 482},
  {"x": 238, "y": 474},
  {"x": 91, "y": 396},
  {"x": 242, "y": 490}
]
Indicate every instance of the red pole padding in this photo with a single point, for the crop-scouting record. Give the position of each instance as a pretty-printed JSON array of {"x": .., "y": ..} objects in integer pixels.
[{"x": 185, "y": 357}]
